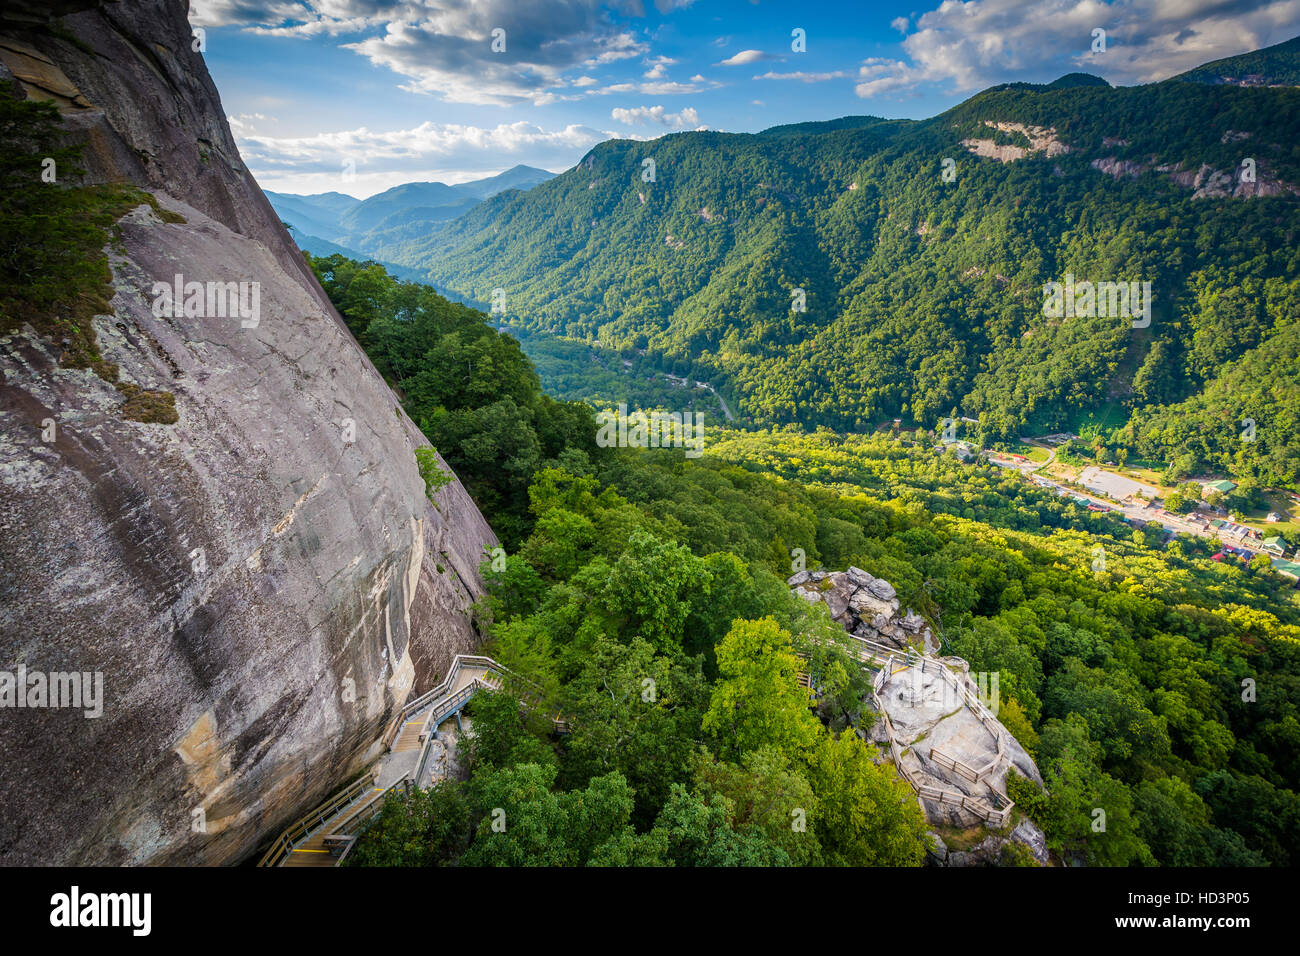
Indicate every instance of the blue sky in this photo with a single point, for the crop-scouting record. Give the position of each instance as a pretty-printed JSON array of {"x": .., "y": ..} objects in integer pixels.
[{"x": 360, "y": 95}]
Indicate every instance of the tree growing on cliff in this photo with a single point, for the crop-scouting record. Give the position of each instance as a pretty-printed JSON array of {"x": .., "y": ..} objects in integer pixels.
[{"x": 435, "y": 479}]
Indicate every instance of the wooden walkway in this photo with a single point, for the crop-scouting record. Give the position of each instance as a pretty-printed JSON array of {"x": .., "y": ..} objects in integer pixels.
[
  {"x": 324, "y": 836},
  {"x": 314, "y": 851}
]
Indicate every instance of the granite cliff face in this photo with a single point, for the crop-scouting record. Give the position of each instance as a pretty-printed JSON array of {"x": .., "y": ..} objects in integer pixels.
[{"x": 262, "y": 583}]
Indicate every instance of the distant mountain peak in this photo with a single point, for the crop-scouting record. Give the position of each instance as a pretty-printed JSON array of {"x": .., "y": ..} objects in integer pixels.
[
  {"x": 1277, "y": 65},
  {"x": 329, "y": 221},
  {"x": 1071, "y": 80}
]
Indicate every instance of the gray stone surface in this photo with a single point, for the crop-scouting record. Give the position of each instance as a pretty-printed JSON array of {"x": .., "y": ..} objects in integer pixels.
[
  {"x": 926, "y": 710},
  {"x": 854, "y": 602},
  {"x": 882, "y": 589},
  {"x": 988, "y": 852},
  {"x": 859, "y": 577},
  {"x": 837, "y": 601},
  {"x": 928, "y": 715},
  {"x": 250, "y": 684},
  {"x": 938, "y": 849}
]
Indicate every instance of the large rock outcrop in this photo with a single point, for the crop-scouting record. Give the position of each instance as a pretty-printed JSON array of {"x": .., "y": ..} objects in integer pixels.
[
  {"x": 938, "y": 725},
  {"x": 866, "y": 606},
  {"x": 260, "y": 584}
]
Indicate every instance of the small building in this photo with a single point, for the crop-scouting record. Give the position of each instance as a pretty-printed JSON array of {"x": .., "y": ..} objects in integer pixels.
[
  {"x": 1275, "y": 545},
  {"x": 1290, "y": 569},
  {"x": 1234, "y": 530},
  {"x": 1273, "y": 517},
  {"x": 963, "y": 450},
  {"x": 1222, "y": 486}
]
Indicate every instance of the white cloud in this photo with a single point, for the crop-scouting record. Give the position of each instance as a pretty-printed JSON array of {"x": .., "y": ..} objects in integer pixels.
[
  {"x": 220, "y": 13},
  {"x": 668, "y": 88},
  {"x": 877, "y": 76},
  {"x": 657, "y": 87},
  {"x": 444, "y": 47},
  {"x": 317, "y": 27},
  {"x": 688, "y": 118},
  {"x": 619, "y": 46},
  {"x": 439, "y": 151},
  {"x": 899, "y": 24},
  {"x": 658, "y": 67},
  {"x": 972, "y": 45},
  {"x": 805, "y": 77},
  {"x": 745, "y": 56},
  {"x": 244, "y": 124}
]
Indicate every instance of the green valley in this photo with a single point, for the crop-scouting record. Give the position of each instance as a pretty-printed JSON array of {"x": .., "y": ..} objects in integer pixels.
[{"x": 830, "y": 274}]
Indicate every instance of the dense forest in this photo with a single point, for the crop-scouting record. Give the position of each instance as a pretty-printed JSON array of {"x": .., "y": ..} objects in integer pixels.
[
  {"x": 830, "y": 274},
  {"x": 643, "y": 598}
]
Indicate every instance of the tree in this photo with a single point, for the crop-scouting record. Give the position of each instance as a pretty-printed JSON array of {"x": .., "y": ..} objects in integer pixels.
[
  {"x": 499, "y": 737},
  {"x": 636, "y": 712},
  {"x": 1012, "y": 716},
  {"x": 521, "y": 822},
  {"x": 869, "y": 816},
  {"x": 515, "y": 591},
  {"x": 434, "y": 477},
  {"x": 698, "y": 831},
  {"x": 419, "y": 827},
  {"x": 650, "y": 588},
  {"x": 770, "y": 793},
  {"x": 757, "y": 701},
  {"x": 1088, "y": 813}
]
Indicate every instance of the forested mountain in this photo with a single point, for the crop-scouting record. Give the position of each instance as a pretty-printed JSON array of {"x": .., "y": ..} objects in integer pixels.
[
  {"x": 1275, "y": 66},
  {"x": 924, "y": 294},
  {"x": 327, "y": 222}
]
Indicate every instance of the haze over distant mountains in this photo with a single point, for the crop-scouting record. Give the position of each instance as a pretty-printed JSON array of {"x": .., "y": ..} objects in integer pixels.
[{"x": 331, "y": 222}]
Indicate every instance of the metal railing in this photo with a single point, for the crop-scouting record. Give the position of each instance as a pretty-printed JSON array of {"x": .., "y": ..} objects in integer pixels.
[
  {"x": 440, "y": 712},
  {"x": 305, "y": 825},
  {"x": 994, "y": 813},
  {"x": 343, "y": 837},
  {"x": 339, "y": 802},
  {"x": 441, "y": 689}
]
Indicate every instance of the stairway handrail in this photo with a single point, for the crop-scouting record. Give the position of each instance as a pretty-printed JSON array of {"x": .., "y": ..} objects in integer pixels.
[{"x": 300, "y": 828}]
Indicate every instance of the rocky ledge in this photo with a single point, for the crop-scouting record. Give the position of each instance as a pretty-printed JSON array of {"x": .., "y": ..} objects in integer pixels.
[{"x": 865, "y": 606}]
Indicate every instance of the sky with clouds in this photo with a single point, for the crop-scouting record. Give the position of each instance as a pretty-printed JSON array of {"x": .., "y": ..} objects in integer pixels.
[{"x": 361, "y": 95}]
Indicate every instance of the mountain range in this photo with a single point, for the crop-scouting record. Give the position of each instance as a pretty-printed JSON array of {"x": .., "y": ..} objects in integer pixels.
[
  {"x": 848, "y": 272},
  {"x": 331, "y": 222},
  {"x": 261, "y": 555}
]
